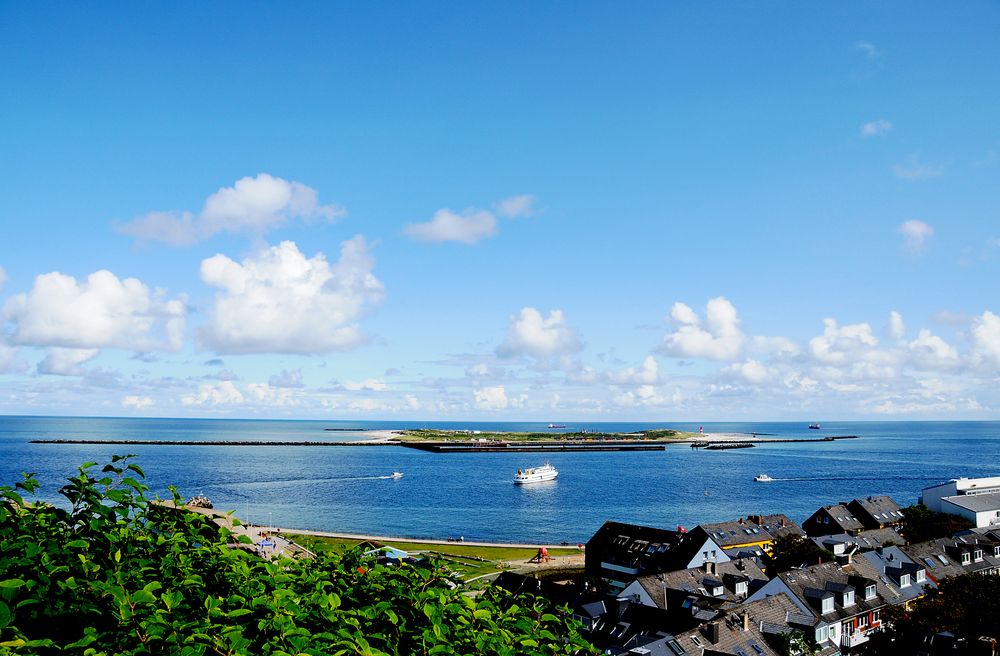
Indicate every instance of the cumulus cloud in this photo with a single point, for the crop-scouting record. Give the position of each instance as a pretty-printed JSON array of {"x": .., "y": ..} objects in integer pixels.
[
  {"x": 529, "y": 334},
  {"x": 719, "y": 338},
  {"x": 647, "y": 374},
  {"x": 101, "y": 311},
  {"x": 875, "y": 128},
  {"x": 490, "y": 398},
  {"x": 912, "y": 169},
  {"x": 286, "y": 379},
  {"x": 471, "y": 225},
  {"x": 137, "y": 402},
  {"x": 751, "y": 371},
  {"x": 929, "y": 351},
  {"x": 915, "y": 234},
  {"x": 66, "y": 361},
  {"x": 897, "y": 330},
  {"x": 224, "y": 393},
  {"x": 839, "y": 343},
  {"x": 252, "y": 204},
  {"x": 8, "y": 363},
  {"x": 467, "y": 227},
  {"x": 986, "y": 339},
  {"x": 279, "y": 301}
]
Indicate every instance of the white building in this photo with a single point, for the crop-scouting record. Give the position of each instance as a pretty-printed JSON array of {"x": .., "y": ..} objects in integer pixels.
[{"x": 976, "y": 499}]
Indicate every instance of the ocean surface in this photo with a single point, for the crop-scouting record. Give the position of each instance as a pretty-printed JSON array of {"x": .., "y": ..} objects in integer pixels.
[{"x": 472, "y": 495}]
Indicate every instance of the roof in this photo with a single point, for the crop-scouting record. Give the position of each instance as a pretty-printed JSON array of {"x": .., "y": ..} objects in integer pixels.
[
  {"x": 892, "y": 561},
  {"x": 880, "y": 509},
  {"x": 755, "y": 528},
  {"x": 843, "y": 517},
  {"x": 695, "y": 581},
  {"x": 642, "y": 548},
  {"x": 943, "y": 556},
  {"x": 865, "y": 540},
  {"x": 976, "y": 502},
  {"x": 811, "y": 583},
  {"x": 733, "y": 638}
]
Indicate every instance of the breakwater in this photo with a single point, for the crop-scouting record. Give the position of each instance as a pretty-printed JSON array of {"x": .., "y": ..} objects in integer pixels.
[{"x": 215, "y": 442}]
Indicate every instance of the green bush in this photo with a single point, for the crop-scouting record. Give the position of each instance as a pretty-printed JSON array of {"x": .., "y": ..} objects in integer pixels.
[{"x": 117, "y": 574}]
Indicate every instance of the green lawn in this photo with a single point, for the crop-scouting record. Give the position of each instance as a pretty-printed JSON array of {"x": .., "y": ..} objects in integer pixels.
[
  {"x": 427, "y": 434},
  {"x": 465, "y": 560}
]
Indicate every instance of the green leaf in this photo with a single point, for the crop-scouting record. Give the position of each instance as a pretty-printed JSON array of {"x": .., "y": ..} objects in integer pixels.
[
  {"x": 12, "y": 583},
  {"x": 76, "y": 544},
  {"x": 5, "y": 615}
]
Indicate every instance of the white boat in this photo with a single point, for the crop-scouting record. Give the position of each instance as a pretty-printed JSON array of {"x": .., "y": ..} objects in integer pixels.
[
  {"x": 762, "y": 478},
  {"x": 535, "y": 474},
  {"x": 396, "y": 475}
]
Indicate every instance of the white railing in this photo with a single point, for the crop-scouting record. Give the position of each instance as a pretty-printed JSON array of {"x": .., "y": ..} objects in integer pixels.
[{"x": 853, "y": 639}]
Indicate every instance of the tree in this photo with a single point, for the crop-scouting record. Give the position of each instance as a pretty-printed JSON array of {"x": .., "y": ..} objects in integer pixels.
[
  {"x": 920, "y": 524},
  {"x": 117, "y": 574},
  {"x": 791, "y": 551}
]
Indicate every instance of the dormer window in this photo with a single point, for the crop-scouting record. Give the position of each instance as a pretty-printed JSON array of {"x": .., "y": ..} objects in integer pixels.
[
  {"x": 921, "y": 575},
  {"x": 848, "y": 599},
  {"x": 977, "y": 555},
  {"x": 904, "y": 580},
  {"x": 966, "y": 558},
  {"x": 870, "y": 592},
  {"x": 741, "y": 587},
  {"x": 996, "y": 550}
]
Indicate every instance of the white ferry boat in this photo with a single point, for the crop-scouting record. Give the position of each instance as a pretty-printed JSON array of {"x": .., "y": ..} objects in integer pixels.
[
  {"x": 762, "y": 478},
  {"x": 535, "y": 474},
  {"x": 396, "y": 475}
]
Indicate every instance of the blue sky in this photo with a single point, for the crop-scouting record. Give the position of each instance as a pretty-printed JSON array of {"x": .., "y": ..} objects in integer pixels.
[{"x": 529, "y": 211}]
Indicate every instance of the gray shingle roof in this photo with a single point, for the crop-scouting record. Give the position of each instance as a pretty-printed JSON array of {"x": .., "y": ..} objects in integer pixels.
[
  {"x": 755, "y": 528},
  {"x": 976, "y": 502},
  {"x": 694, "y": 580}
]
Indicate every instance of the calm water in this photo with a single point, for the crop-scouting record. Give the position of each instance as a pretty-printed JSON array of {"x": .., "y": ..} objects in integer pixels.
[{"x": 342, "y": 489}]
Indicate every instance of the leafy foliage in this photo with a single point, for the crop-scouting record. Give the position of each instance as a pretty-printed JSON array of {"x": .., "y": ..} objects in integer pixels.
[
  {"x": 117, "y": 574},
  {"x": 920, "y": 524},
  {"x": 791, "y": 551}
]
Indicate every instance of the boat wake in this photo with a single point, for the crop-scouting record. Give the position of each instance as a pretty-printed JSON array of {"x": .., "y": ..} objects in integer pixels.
[{"x": 851, "y": 478}]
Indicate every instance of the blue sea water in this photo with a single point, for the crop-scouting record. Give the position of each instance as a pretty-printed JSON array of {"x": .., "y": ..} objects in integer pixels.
[{"x": 443, "y": 495}]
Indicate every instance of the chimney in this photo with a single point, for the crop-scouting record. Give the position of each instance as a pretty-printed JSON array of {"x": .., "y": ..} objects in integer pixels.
[
  {"x": 746, "y": 621},
  {"x": 759, "y": 519},
  {"x": 710, "y": 566},
  {"x": 713, "y": 630},
  {"x": 781, "y": 522},
  {"x": 741, "y": 520}
]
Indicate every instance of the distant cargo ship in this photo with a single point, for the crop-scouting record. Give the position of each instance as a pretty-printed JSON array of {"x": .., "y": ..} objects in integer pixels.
[
  {"x": 814, "y": 426},
  {"x": 557, "y": 425}
]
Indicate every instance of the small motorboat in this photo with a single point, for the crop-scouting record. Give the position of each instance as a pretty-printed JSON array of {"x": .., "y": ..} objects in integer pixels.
[
  {"x": 814, "y": 426},
  {"x": 396, "y": 475},
  {"x": 762, "y": 478}
]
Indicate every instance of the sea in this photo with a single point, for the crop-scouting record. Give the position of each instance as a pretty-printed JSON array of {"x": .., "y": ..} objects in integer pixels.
[{"x": 471, "y": 495}]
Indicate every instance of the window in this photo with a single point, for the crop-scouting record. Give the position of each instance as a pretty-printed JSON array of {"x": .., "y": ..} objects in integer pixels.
[
  {"x": 822, "y": 634},
  {"x": 904, "y": 580},
  {"x": 741, "y": 587},
  {"x": 977, "y": 555},
  {"x": 863, "y": 621},
  {"x": 848, "y": 598},
  {"x": 876, "y": 614},
  {"x": 826, "y": 520},
  {"x": 676, "y": 647},
  {"x": 996, "y": 550},
  {"x": 713, "y": 554},
  {"x": 828, "y": 605},
  {"x": 870, "y": 591},
  {"x": 921, "y": 575},
  {"x": 966, "y": 558}
]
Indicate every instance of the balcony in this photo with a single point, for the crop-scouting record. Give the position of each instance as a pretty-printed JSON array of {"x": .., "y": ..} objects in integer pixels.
[{"x": 850, "y": 640}]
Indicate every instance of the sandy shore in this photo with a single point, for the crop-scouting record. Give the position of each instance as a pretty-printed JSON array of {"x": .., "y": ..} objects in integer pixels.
[
  {"x": 728, "y": 437},
  {"x": 381, "y": 435}
]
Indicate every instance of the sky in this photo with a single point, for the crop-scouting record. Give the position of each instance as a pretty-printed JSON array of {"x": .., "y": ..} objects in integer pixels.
[{"x": 528, "y": 211}]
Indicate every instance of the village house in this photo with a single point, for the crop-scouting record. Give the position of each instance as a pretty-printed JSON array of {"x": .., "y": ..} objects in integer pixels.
[
  {"x": 876, "y": 512},
  {"x": 863, "y": 541},
  {"x": 908, "y": 578},
  {"x": 962, "y": 554},
  {"x": 752, "y": 536},
  {"x": 845, "y": 600},
  {"x": 832, "y": 520},
  {"x": 619, "y": 553},
  {"x": 729, "y": 581}
]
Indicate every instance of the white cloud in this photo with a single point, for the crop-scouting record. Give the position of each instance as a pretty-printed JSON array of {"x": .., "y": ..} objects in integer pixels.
[
  {"x": 3, "y": 278},
  {"x": 751, "y": 371},
  {"x": 471, "y": 225},
  {"x": 645, "y": 395},
  {"x": 916, "y": 234},
  {"x": 531, "y": 335},
  {"x": 224, "y": 393},
  {"x": 875, "y": 128},
  {"x": 373, "y": 384},
  {"x": 491, "y": 398},
  {"x": 8, "y": 364},
  {"x": 286, "y": 379},
  {"x": 719, "y": 339},
  {"x": 276, "y": 397},
  {"x": 774, "y": 345},
  {"x": 913, "y": 169},
  {"x": 838, "y": 344},
  {"x": 137, "y": 402},
  {"x": 101, "y": 311},
  {"x": 986, "y": 339},
  {"x": 647, "y": 374},
  {"x": 516, "y": 207},
  {"x": 897, "y": 330},
  {"x": 931, "y": 352},
  {"x": 468, "y": 227},
  {"x": 278, "y": 301},
  {"x": 66, "y": 361},
  {"x": 252, "y": 204}
]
